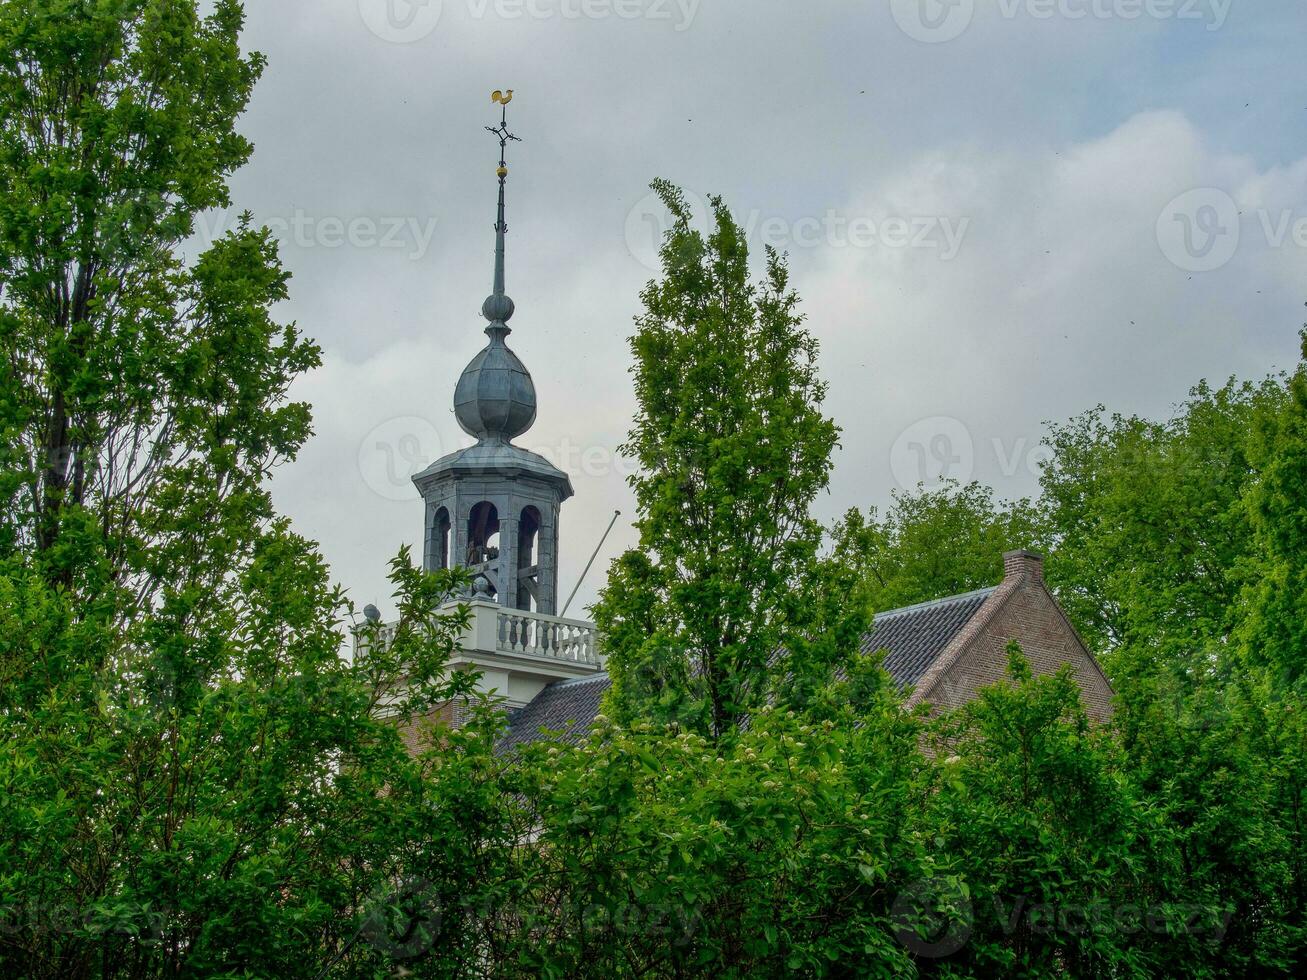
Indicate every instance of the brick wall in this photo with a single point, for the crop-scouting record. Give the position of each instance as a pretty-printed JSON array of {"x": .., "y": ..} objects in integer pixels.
[
  {"x": 417, "y": 733},
  {"x": 1021, "y": 609}
]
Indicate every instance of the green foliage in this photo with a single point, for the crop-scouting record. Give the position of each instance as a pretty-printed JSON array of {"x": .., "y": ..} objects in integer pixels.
[
  {"x": 934, "y": 543},
  {"x": 1176, "y": 550},
  {"x": 194, "y": 777},
  {"x": 223, "y": 795},
  {"x": 1035, "y": 812},
  {"x": 1219, "y": 763},
  {"x": 1147, "y": 522},
  {"x": 732, "y": 449},
  {"x": 127, "y": 372},
  {"x": 1275, "y": 632},
  {"x": 663, "y": 854}
]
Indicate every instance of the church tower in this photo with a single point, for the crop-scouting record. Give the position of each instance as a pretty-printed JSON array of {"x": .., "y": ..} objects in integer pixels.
[{"x": 493, "y": 507}]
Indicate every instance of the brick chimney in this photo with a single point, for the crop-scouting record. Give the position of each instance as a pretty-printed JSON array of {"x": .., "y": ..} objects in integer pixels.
[{"x": 1023, "y": 564}]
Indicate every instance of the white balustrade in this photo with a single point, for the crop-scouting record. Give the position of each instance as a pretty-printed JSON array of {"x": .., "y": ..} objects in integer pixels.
[
  {"x": 496, "y": 629},
  {"x": 536, "y": 634}
]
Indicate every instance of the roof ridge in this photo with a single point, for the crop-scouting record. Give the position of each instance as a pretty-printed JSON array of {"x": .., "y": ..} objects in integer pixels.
[
  {"x": 578, "y": 681},
  {"x": 917, "y": 607}
]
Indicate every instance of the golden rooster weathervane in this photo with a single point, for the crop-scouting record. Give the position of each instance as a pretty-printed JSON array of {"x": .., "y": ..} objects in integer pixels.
[{"x": 502, "y": 98}]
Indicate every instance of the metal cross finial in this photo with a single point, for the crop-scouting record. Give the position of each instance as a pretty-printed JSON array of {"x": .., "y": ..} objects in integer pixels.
[
  {"x": 499, "y": 308},
  {"x": 501, "y": 131}
]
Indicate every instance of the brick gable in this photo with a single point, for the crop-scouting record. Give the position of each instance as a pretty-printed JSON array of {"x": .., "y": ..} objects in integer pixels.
[{"x": 1022, "y": 609}]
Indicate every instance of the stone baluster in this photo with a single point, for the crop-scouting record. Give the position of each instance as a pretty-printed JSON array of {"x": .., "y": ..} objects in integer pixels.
[{"x": 545, "y": 636}]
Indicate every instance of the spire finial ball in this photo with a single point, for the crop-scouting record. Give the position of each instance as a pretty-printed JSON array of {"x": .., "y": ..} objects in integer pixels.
[{"x": 498, "y": 308}]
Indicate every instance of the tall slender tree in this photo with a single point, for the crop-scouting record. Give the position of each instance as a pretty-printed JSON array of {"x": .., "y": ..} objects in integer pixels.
[
  {"x": 193, "y": 779},
  {"x": 732, "y": 449}
]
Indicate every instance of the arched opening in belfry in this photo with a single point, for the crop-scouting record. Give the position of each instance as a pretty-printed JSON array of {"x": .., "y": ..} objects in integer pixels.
[
  {"x": 528, "y": 576},
  {"x": 482, "y": 534},
  {"x": 441, "y": 526}
]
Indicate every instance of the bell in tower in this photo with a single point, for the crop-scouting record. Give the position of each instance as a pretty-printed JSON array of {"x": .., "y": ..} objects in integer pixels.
[{"x": 493, "y": 507}]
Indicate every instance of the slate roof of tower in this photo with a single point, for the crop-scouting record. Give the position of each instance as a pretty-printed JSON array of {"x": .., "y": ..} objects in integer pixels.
[
  {"x": 502, "y": 458},
  {"x": 912, "y": 637},
  {"x": 565, "y": 709}
]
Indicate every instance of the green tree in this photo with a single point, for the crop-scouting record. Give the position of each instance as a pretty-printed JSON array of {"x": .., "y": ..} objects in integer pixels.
[
  {"x": 1217, "y": 760},
  {"x": 780, "y": 852},
  {"x": 1147, "y": 524},
  {"x": 125, "y": 370},
  {"x": 1041, "y": 833},
  {"x": 1173, "y": 551},
  {"x": 732, "y": 448},
  {"x": 935, "y": 543},
  {"x": 193, "y": 778},
  {"x": 1275, "y": 631}
]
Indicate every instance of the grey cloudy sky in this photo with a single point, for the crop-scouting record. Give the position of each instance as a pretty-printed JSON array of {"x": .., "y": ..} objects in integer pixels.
[{"x": 997, "y": 212}]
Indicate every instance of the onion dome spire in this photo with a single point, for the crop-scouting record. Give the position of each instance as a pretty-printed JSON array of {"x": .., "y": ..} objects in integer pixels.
[{"x": 495, "y": 399}]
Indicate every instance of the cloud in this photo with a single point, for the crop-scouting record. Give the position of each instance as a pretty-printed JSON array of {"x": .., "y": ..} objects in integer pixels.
[
  {"x": 1061, "y": 143},
  {"x": 1061, "y": 297}
]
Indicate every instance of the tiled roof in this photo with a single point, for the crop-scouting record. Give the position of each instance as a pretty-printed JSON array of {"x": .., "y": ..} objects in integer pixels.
[
  {"x": 567, "y": 707},
  {"x": 912, "y": 637}
]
